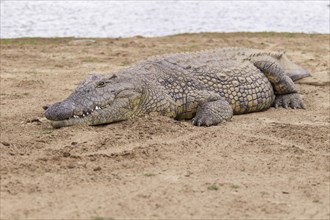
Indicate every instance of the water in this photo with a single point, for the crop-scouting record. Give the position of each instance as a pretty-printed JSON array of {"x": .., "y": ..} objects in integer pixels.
[{"x": 152, "y": 18}]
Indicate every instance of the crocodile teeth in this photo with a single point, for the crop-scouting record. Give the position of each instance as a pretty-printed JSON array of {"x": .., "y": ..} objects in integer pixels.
[
  {"x": 97, "y": 108},
  {"x": 76, "y": 116}
]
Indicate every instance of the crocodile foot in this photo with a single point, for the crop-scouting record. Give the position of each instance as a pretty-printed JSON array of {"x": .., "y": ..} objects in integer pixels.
[
  {"x": 212, "y": 113},
  {"x": 292, "y": 100}
]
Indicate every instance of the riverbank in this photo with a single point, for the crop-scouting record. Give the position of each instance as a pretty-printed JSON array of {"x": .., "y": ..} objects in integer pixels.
[{"x": 272, "y": 164}]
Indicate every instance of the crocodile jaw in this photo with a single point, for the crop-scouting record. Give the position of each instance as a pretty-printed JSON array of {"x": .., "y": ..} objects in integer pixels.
[
  {"x": 68, "y": 122},
  {"x": 93, "y": 117},
  {"x": 97, "y": 117}
]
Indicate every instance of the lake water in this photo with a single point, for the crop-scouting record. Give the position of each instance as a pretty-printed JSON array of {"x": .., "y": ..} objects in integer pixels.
[{"x": 152, "y": 18}]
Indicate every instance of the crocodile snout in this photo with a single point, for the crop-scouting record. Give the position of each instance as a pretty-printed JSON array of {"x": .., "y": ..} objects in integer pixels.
[{"x": 60, "y": 111}]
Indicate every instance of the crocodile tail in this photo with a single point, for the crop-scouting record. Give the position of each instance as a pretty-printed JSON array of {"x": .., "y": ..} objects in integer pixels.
[
  {"x": 298, "y": 74},
  {"x": 294, "y": 71}
]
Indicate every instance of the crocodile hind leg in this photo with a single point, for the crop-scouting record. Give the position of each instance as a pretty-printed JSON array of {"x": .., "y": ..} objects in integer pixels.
[
  {"x": 212, "y": 113},
  {"x": 286, "y": 93}
]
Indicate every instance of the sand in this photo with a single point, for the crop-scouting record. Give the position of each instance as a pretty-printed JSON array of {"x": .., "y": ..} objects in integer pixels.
[{"x": 271, "y": 164}]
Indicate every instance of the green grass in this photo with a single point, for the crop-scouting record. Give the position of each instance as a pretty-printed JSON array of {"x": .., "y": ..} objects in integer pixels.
[
  {"x": 16, "y": 95},
  {"x": 213, "y": 187},
  {"x": 46, "y": 131},
  {"x": 149, "y": 174},
  {"x": 264, "y": 193},
  {"x": 125, "y": 63},
  {"x": 33, "y": 41},
  {"x": 194, "y": 47},
  {"x": 248, "y": 34},
  {"x": 102, "y": 218},
  {"x": 233, "y": 186},
  {"x": 57, "y": 40},
  {"x": 90, "y": 60}
]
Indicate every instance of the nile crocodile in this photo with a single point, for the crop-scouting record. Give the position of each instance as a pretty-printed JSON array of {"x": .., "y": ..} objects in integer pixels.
[{"x": 207, "y": 87}]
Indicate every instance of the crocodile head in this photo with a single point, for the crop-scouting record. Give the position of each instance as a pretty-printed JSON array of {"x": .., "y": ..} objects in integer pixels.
[{"x": 97, "y": 100}]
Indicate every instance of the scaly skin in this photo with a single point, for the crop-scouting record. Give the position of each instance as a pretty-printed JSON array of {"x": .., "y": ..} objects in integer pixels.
[{"x": 207, "y": 87}]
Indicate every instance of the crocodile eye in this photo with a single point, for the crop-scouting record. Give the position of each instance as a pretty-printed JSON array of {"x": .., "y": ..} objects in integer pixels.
[{"x": 100, "y": 84}]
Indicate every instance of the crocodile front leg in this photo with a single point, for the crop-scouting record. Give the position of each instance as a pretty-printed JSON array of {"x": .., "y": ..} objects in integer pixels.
[{"x": 212, "y": 113}]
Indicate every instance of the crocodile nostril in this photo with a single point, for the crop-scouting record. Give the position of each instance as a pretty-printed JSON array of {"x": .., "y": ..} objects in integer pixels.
[{"x": 45, "y": 107}]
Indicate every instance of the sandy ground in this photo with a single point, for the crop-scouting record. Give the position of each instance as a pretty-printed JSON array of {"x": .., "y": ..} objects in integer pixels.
[{"x": 272, "y": 164}]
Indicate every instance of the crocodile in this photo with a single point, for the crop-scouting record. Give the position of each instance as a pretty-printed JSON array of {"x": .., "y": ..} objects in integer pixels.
[{"x": 208, "y": 87}]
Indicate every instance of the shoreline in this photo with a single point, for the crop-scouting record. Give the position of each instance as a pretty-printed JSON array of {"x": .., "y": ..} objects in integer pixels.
[{"x": 246, "y": 33}]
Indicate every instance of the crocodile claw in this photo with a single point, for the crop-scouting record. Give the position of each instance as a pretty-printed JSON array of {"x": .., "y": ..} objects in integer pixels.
[{"x": 293, "y": 101}]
